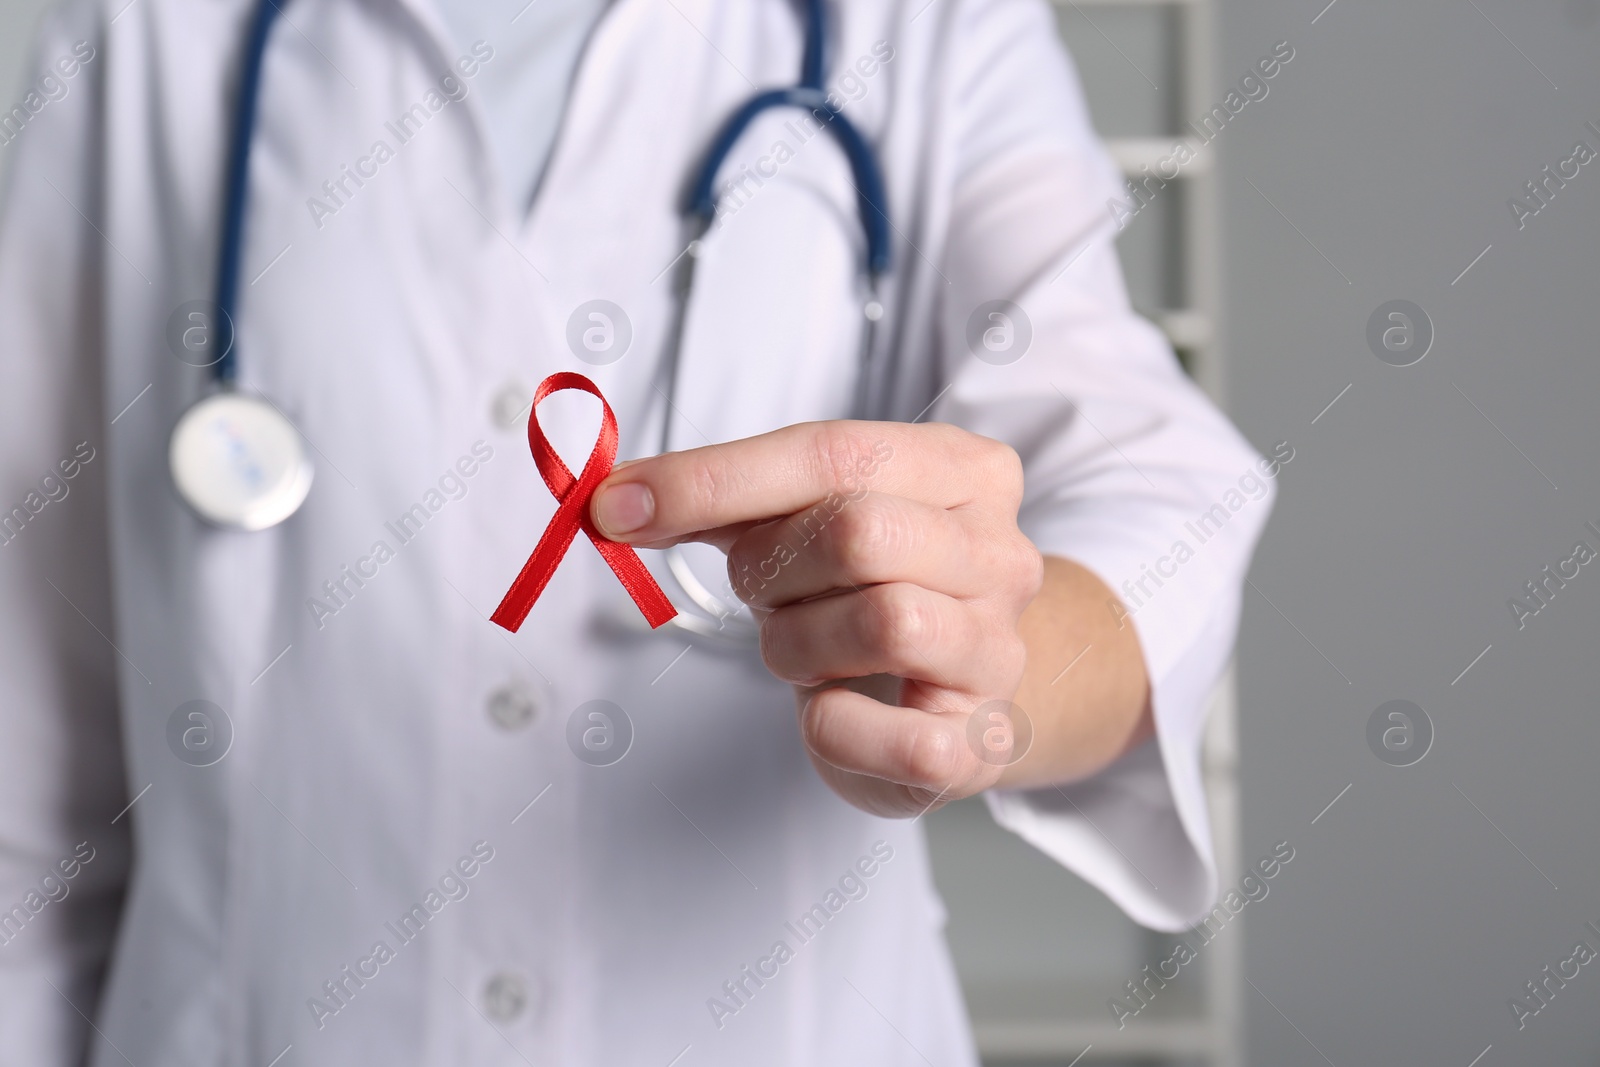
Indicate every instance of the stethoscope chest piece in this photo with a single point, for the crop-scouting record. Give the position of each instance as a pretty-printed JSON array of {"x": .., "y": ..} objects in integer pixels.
[{"x": 238, "y": 462}]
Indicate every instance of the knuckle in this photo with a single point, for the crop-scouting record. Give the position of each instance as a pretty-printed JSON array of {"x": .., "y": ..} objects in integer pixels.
[
  {"x": 1011, "y": 657},
  {"x": 843, "y": 455},
  {"x": 742, "y": 556},
  {"x": 867, "y": 537},
  {"x": 930, "y": 753},
  {"x": 1028, "y": 568},
  {"x": 946, "y": 434},
  {"x": 899, "y": 623},
  {"x": 1004, "y": 465},
  {"x": 751, "y": 566},
  {"x": 777, "y": 644},
  {"x": 1012, "y": 564}
]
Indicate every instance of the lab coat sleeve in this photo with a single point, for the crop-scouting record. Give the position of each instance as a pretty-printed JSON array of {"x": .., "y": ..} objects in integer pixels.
[
  {"x": 1126, "y": 460},
  {"x": 62, "y": 860}
]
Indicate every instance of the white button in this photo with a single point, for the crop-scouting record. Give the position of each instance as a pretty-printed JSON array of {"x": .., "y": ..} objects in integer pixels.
[
  {"x": 513, "y": 706},
  {"x": 510, "y": 405},
  {"x": 505, "y": 997}
]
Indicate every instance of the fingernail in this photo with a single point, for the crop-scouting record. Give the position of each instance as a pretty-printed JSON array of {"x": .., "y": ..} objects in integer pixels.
[{"x": 624, "y": 508}]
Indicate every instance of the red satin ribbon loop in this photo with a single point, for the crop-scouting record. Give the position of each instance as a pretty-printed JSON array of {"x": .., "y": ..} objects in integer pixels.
[{"x": 573, "y": 494}]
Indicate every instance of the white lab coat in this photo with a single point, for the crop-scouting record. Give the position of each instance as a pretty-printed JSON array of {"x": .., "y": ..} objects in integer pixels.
[{"x": 363, "y": 766}]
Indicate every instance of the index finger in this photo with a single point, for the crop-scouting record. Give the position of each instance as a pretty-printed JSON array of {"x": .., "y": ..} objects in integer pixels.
[{"x": 694, "y": 494}]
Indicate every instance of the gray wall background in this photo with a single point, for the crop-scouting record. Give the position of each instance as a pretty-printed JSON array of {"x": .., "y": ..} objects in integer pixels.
[{"x": 1414, "y": 509}]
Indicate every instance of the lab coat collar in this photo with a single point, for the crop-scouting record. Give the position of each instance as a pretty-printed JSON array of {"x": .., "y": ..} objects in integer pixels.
[{"x": 437, "y": 49}]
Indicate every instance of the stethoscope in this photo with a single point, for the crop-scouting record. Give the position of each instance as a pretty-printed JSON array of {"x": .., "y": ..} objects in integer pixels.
[
  {"x": 716, "y": 619},
  {"x": 239, "y": 462}
]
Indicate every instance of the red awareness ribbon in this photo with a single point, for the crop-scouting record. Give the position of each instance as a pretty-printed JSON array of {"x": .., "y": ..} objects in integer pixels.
[{"x": 573, "y": 515}]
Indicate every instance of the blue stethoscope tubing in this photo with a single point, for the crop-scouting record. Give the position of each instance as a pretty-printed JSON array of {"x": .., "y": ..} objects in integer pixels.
[
  {"x": 872, "y": 205},
  {"x": 700, "y": 211},
  {"x": 236, "y": 191},
  {"x": 701, "y": 207},
  {"x": 719, "y": 621},
  {"x": 236, "y": 459}
]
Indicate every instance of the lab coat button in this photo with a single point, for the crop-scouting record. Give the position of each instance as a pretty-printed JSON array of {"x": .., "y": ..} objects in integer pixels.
[
  {"x": 510, "y": 405},
  {"x": 505, "y": 997},
  {"x": 513, "y": 706}
]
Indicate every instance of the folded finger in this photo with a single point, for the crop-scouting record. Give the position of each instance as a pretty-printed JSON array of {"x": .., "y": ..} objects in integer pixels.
[
  {"x": 873, "y": 540},
  {"x": 897, "y": 629},
  {"x": 919, "y": 749}
]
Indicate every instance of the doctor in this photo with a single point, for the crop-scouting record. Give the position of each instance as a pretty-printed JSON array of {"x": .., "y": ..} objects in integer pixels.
[{"x": 287, "y": 797}]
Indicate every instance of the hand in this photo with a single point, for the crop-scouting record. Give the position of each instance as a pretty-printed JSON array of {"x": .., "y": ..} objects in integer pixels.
[{"x": 884, "y": 564}]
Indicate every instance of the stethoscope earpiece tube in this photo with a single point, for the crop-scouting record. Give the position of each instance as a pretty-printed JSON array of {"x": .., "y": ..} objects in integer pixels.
[
  {"x": 814, "y": 64},
  {"x": 238, "y": 178},
  {"x": 723, "y": 622},
  {"x": 871, "y": 193}
]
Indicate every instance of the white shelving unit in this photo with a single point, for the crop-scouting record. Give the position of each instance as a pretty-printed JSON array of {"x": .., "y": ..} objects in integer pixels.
[{"x": 1191, "y": 328}]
